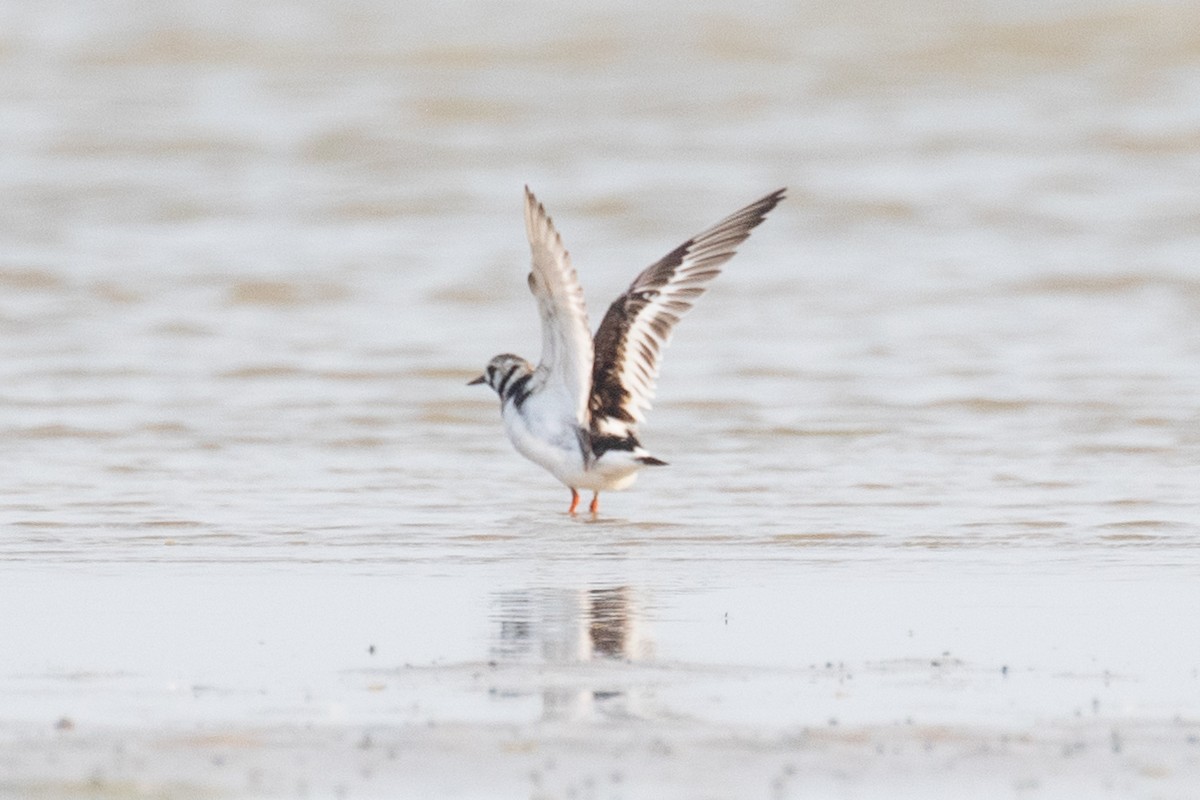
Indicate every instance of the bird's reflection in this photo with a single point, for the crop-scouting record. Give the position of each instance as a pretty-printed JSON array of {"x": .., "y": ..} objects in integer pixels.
[
  {"x": 562, "y": 632},
  {"x": 609, "y": 618}
]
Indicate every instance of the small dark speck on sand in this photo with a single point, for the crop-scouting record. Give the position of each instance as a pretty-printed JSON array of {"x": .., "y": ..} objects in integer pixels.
[
  {"x": 371, "y": 650},
  {"x": 64, "y": 724},
  {"x": 1004, "y": 670}
]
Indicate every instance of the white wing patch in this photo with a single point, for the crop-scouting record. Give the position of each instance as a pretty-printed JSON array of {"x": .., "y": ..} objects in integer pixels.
[
  {"x": 639, "y": 323},
  {"x": 566, "y": 362}
]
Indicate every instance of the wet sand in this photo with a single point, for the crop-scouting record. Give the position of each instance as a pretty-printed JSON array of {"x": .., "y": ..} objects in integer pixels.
[{"x": 776, "y": 673}]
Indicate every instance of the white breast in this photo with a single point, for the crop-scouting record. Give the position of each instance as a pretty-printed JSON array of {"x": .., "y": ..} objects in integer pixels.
[{"x": 544, "y": 431}]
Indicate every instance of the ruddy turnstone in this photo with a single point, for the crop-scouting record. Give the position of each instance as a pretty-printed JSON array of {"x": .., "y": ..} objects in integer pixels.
[{"x": 576, "y": 413}]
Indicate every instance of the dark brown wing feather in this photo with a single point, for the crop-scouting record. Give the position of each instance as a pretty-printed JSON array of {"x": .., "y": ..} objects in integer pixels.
[{"x": 638, "y": 325}]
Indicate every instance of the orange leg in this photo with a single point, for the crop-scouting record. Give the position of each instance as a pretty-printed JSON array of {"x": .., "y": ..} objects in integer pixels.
[
  {"x": 574, "y": 502},
  {"x": 595, "y": 506}
]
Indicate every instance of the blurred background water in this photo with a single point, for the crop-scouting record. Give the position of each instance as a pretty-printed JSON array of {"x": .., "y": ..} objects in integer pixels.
[{"x": 250, "y": 253}]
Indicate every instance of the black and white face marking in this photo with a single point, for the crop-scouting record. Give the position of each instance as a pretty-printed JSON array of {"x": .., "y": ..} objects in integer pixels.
[{"x": 509, "y": 376}]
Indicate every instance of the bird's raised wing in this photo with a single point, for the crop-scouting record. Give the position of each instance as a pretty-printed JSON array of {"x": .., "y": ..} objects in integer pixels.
[
  {"x": 566, "y": 363},
  {"x": 638, "y": 324}
]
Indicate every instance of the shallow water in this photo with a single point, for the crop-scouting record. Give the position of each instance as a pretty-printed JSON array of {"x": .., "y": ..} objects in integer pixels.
[{"x": 930, "y": 524}]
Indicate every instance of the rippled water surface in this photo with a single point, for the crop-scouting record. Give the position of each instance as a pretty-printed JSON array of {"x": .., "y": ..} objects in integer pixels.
[{"x": 930, "y": 526}]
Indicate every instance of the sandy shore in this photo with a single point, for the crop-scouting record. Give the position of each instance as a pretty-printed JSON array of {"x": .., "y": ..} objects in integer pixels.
[{"x": 607, "y": 759}]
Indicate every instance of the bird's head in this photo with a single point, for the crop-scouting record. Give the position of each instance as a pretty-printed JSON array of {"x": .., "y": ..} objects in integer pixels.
[{"x": 501, "y": 371}]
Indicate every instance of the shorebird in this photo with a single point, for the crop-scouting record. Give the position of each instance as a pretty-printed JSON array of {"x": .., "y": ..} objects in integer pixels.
[{"x": 576, "y": 413}]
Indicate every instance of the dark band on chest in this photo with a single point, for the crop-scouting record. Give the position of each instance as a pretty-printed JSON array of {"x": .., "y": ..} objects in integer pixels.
[{"x": 518, "y": 392}]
